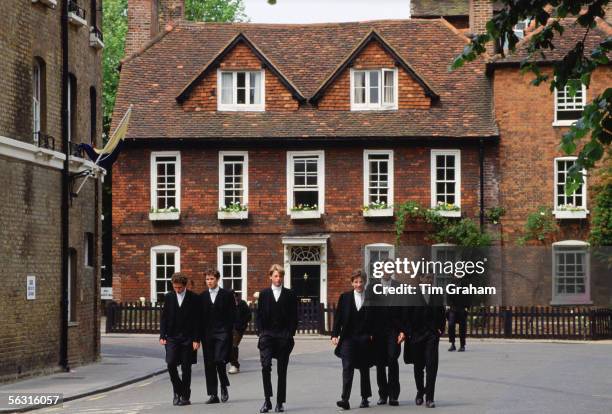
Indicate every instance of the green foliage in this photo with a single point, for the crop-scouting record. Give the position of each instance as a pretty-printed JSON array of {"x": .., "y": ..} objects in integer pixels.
[
  {"x": 494, "y": 214},
  {"x": 234, "y": 208},
  {"x": 305, "y": 207},
  {"x": 574, "y": 69},
  {"x": 445, "y": 230},
  {"x": 114, "y": 29},
  {"x": 539, "y": 226},
  {"x": 377, "y": 205},
  {"x": 215, "y": 10},
  {"x": 601, "y": 225}
]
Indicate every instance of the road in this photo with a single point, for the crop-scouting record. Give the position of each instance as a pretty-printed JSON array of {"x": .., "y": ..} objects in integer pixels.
[{"x": 491, "y": 377}]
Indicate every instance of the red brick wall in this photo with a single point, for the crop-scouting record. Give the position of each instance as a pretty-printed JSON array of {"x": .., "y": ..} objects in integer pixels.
[
  {"x": 528, "y": 146},
  {"x": 199, "y": 232},
  {"x": 204, "y": 95},
  {"x": 373, "y": 56}
]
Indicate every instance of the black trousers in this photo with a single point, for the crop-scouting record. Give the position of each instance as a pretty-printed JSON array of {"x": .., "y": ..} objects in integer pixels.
[
  {"x": 237, "y": 337},
  {"x": 215, "y": 350},
  {"x": 179, "y": 351},
  {"x": 280, "y": 348},
  {"x": 348, "y": 371},
  {"x": 387, "y": 367},
  {"x": 458, "y": 315},
  {"x": 425, "y": 354}
]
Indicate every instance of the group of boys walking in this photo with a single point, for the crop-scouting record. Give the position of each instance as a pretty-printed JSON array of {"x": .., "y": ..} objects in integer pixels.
[{"x": 368, "y": 331}]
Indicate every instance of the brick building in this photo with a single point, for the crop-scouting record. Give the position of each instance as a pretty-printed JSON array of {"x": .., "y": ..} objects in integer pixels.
[
  {"x": 31, "y": 164},
  {"x": 272, "y": 118}
]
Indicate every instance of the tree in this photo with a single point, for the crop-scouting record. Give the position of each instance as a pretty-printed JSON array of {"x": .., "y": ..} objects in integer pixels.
[
  {"x": 115, "y": 30},
  {"x": 595, "y": 125}
]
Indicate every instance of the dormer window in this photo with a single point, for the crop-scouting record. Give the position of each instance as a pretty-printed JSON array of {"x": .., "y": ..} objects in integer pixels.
[
  {"x": 241, "y": 91},
  {"x": 373, "y": 89}
]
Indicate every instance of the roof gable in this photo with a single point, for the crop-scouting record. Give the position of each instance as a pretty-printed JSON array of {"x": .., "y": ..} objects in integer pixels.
[
  {"x": 240, "y": 38},
  {"x": 373, "y": 36}
]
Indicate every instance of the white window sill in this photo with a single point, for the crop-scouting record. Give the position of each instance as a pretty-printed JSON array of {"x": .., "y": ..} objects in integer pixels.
[
  {"x": 305, "y": 215},
  {"x": 571, "y": 301},
  {"x": 233, "y": 215},
  {"x": 378, "y": 212},
  {"x": 171, "y": 215},
  {"x": 49, "y": 3},
  {"x": 95, "y": 42},
  {"x": 564, "y": 123},
  {"x": 72, "y": 324},
  {"x": 373, "y": 108},
  {"x": 562, "y": 214},
  {"x": 77, "y": 21},
  {"x": 241, "y": 108},
  {"x": 454, "y": 213}
]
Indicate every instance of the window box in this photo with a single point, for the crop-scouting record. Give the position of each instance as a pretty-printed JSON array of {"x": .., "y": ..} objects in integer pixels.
[
  {"x": 233, "y": 215},
  {"x": 570, "y": 214},
  {"x": 76, "y": 14},
  {"x": 95, "y": 38},
  {"x": 449, "y": 213},
  {"x": 48, "y": 3},
  {"x": 378, "y": 212},
  {"x": 164, "y": 215},
  {"x": 305, "y": 214}
]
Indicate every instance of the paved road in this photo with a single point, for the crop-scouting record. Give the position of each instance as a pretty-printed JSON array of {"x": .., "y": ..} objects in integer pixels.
[{"x": 492, "y": 377}]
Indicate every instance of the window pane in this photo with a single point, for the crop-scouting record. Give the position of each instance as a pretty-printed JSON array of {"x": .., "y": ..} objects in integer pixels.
[
  {"x": 226, "y": 88},
  {"x": 389, "y": 78},
  {"x": 374, "y": 87},
  {"x": 359, "y": 86},
  {"x": 241, "y": 88},
  {"x": 255, "y": 88}
]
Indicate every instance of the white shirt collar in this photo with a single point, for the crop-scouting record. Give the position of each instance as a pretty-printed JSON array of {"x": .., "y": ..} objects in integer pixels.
[
  {"x": 358, "y": 299},
  {"x": 180, "y": 297},
  {"x": 276, "y": 291}
]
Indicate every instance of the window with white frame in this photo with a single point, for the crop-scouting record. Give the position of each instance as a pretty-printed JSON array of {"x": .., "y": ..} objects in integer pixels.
[
  {"x": 232, "y": 263},
  {"x": 241, "y": 90},
  {"x": 378, "y": 177},
  {"x": 442, "y": 253},
  {"x": 165, "y": 261},
  {"x": 563, "y": 201},
  {"x": 233, "y": 178},
  {"x": 377, "y": 252},
  {"x": 165, "y": 180},
  {"x": 306, "y": 180},
  {"x": 373, "y": 89},
  {"x": 445, "y": 177},
  {"x": 569, "y": 108},
  {"x": 571, "y": 273},
  {"x": 36, "y": 98}
]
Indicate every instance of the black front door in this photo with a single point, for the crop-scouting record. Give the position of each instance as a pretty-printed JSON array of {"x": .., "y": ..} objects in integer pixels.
[{"x": 306, "y": 282}]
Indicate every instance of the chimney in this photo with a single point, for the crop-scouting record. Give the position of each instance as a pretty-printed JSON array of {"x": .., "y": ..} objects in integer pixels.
[
  {"x": 481, "y": 11},
  {"x": 146, "y": 18}
]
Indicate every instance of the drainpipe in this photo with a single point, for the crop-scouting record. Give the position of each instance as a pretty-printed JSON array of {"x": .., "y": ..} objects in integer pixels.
[
  {"x": 63, "y": 360},
  {"x": 481, "y": 161}
]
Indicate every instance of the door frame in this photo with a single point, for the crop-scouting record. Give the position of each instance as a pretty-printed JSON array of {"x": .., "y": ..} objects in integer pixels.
[{"x": 316, "y": 240}]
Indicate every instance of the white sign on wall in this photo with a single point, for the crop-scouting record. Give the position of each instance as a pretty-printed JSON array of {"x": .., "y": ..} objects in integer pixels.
[
  {"x": 31, "y": 287},
  {"x": 106, "y": 293}
]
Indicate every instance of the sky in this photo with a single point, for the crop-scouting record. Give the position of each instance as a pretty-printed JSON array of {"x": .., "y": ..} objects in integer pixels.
[{"x": 320, "y": 11}]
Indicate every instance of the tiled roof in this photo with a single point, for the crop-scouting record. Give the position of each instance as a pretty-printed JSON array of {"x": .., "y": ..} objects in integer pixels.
[
  {"x": 307, "y": 55},
  {"x": 572, "y": 34}
]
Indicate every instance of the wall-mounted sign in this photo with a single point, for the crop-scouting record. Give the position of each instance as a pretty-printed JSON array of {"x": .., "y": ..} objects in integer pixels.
[
  {"x": 106, "y": 293},
  {"x": 31, "y": 287}
]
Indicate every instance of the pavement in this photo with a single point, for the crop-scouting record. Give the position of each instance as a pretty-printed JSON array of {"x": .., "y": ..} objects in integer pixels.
[{"x": 493, "y": 376}]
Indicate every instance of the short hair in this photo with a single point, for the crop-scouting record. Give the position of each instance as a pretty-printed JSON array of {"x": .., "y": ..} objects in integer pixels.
[
  {"x": 276, "y": 268},
  {"x": 212, "y": 272},
  {"x": 179, "y": 278},
  {"x": 358, "y": 273}
]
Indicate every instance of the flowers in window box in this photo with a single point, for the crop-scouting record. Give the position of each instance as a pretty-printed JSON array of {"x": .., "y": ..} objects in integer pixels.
[
  {"x": 376, "y": 205},
  {"x": 446, "y": 207},
  {"x": 305, "y": 207},
  {"x": 164, "y": 210},
  {"x": 234, "y": 207},
  {"x": 569, "y": 207}
]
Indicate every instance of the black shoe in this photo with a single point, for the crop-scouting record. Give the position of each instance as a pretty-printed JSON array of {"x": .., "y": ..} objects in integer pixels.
[
  {"x": 419, "y": 399},
  {"x": 452, "y": 348},
  {"x": 183, "y": 401},
  {"x": 224, "y": 394},
  {"x": 364, "y": 403},
  {"x": 462, "y": 348},
  {"x": 267, "y": 406},
  {"x": 175, "y": 399},
  {"x": 430, "y": 404},
  {"x": 393, "y": 403},
  {"x": 212, "y": 400},
  {"x": 381, "y": 401},
  {"x": 279, "y": 408},
  {"x": 344, "y": 404}
]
